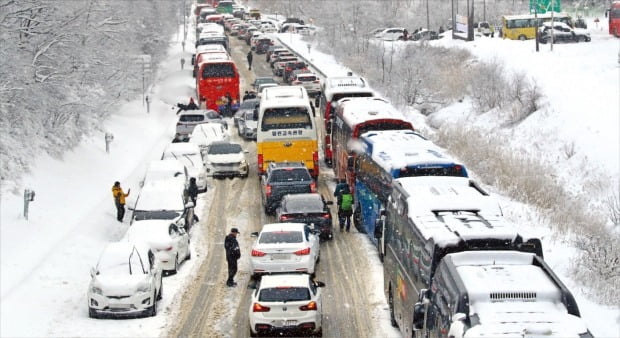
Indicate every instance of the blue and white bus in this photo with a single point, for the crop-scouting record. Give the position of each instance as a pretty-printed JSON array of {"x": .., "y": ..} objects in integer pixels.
[{"x": 386, "y": 155}]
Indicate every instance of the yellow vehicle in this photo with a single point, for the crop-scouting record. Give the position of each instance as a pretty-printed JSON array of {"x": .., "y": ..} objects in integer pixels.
[
  {"x": 255, "y": 13},
  {"x": 286, "y": 129},
  {"x": 523, "y": 27}
]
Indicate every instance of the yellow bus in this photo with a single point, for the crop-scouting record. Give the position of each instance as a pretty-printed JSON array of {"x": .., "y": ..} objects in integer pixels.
[
  {"x": 523, "y": 27},
  {"x": 286, "y": 129}
]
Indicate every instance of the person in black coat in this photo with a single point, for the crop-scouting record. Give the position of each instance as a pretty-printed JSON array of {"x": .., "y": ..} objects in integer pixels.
[
  {"x": 250, "y": 57},
  {"x": 192, "y": 190},
  {"x": 233, "y": 253}
]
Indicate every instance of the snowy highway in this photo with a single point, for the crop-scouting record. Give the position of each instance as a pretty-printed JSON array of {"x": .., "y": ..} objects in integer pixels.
[{"x": 353, "y": 303}]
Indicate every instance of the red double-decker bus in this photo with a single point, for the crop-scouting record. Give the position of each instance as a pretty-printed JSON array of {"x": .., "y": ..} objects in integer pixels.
[
  {"x": 216, "y": 79},
  {"x": 332, "y": 90},
  {"x": 353, "y": 117},
  {"x": 613, "y": 14}
]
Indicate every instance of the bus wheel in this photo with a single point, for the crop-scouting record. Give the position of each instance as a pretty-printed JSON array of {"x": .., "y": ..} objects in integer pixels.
[
  {"x": 522, "y": 37},
  {"x": 357, "y": 222},
  {"x": 391, "y": 304}
]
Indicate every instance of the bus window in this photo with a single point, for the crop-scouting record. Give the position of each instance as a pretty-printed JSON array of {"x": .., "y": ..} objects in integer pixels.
[
  {"x": 286, "y": 118},
  {"x": 218, "y": 70}
]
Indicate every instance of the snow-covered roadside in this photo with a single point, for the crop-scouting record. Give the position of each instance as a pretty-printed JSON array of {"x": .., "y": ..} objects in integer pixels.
[
  {"x": 45, "y": 261},
  {"x": 596, "y": 133}
]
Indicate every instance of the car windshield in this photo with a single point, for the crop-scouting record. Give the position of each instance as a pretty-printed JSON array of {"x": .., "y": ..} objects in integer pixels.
[
  {"x": 141, "y": 215},
  {"x": 281, "y": 237},
  {"x": 191, "y": 118},
  {"x": 304, "y": 205},
  {"x": 289, "y": 175},
  {"x": 190, "y": 160},
  {"x": 284, "y": 294},
  {"x": 262, "y": 80},
  {"x": 112, "y": 264},
  {"x": 306, "y": 78},
  {"x": 249, "y": 104},
  {"x": 224, "y": 148},
  {"x": 212, "y": 114},
  {"x": 250, "y": 116}
]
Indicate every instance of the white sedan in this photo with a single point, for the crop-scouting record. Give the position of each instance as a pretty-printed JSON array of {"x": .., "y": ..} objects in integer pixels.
[
  {"x": 285, "y": 247},
  {"x": 226, "y": 159},
  {"x": 287, "y": 304},
  {"x": 127, "y": 281},
  {"x": 190, "y": 155},
  {"x": 169, "y": 242}
]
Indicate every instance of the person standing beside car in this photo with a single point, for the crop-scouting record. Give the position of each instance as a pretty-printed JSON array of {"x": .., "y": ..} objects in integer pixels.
[
  {"x": 233, "y": 253},
  {"x": 119, "y": 200}
]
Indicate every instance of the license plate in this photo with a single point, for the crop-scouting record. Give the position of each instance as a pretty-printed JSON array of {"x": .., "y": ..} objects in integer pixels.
[
  {"x": 290, "y": 323},
  {"x": 279, "y": 256}
]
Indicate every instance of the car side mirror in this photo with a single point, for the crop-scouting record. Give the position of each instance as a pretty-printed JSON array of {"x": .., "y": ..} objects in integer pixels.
[
  {"x": 93, "y": 272},
  {"x": 319, "y": 284},
  {"x": 254, "y": 234},
  {"x": 329, "y": 202},
  {"x": 378, "y": 229},
  {"x": 141, "y": 184},
  {"x": 189, "y": 205}
]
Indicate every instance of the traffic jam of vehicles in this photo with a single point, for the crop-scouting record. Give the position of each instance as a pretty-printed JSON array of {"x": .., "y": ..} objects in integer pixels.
[{"x": 452, "y": 265}]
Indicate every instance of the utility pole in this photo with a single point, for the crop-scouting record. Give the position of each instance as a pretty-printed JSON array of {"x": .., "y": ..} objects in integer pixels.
[{"x": 428, "y": 22}]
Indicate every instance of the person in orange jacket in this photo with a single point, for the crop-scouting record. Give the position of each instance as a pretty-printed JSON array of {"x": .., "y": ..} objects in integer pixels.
[{"x": 119, "y": 200}]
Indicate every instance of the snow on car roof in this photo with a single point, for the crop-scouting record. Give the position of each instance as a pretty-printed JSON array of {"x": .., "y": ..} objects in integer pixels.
[
  {"x": 165, "y": 165},
  {"x": 161, "y": 195},
  {"x": 402, "y": 148},
  {"x": 292, "y": 279},
  {"x": 270, "y": 227},
  {"x": 182, "y": 148},
  {"x": 355, "y": 110},
  {"x": 152, "y": 232},
  {"x": 510, "y": 295}
]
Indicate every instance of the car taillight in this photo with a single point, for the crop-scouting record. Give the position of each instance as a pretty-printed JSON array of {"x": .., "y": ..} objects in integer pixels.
[
  {"x": 259, "y": 308},
  {"x": 302, "y": 252},
  {"x": 257, "y": 253},
  {"x": 260, "y": 164},
  {"x": 315, "y": 162},
  {"x": 309, "y": 307},
  {"x": 326, "y": 216},
  {"x": 284, "y": 218},
  {"x": 312, "y": 187},
  {"x": 268, "y": 190}
]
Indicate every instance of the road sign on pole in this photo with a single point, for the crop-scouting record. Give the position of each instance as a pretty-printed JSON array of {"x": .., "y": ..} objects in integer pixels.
[{"x": 542, "y": 6}]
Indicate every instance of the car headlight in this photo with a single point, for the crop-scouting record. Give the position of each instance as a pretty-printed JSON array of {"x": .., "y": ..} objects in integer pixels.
[
  {"x": 96, "y": 290},
  {"x": 144, "y": 287},
  {"x": 243, "y": 163}
]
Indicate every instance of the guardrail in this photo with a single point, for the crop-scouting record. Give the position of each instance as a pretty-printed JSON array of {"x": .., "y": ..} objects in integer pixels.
[{"x": 312, "y": 65}]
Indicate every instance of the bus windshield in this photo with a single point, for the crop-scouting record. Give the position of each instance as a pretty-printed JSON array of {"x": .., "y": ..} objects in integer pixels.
[
  {"x": 218, "y": 70},
  {"x": 454, "y": 170},
  {"x": 339, "y": 96},
  {"x": 286, "y": 118},
  {"x": 388, "y": 125}
]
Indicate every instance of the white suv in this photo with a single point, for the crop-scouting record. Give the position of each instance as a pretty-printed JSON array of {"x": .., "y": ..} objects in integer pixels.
[
  {"x": 309, "y": 81},
  {"x": 126, "y": 282},
  {"x": 286, "y": 304}
]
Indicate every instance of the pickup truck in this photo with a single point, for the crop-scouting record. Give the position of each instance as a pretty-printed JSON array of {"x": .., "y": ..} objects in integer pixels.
[{"x": 284, "y": 178}]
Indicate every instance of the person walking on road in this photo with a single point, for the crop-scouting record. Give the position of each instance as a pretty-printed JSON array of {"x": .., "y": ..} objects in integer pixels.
[
  {"x": 250, "y": 57},
  {"x": 345, "y": 208},
  {"x": 233, "y": 253},
  {"x": 119, "y": 200}
]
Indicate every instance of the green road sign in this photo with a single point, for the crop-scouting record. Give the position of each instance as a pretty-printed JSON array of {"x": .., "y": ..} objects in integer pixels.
[{"x": 542, "y": 6}]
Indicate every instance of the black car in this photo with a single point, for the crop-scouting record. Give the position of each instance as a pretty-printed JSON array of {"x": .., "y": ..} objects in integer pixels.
[
  {"x": 284, "y": 178},
  {"x": 307, "y": 208}
]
